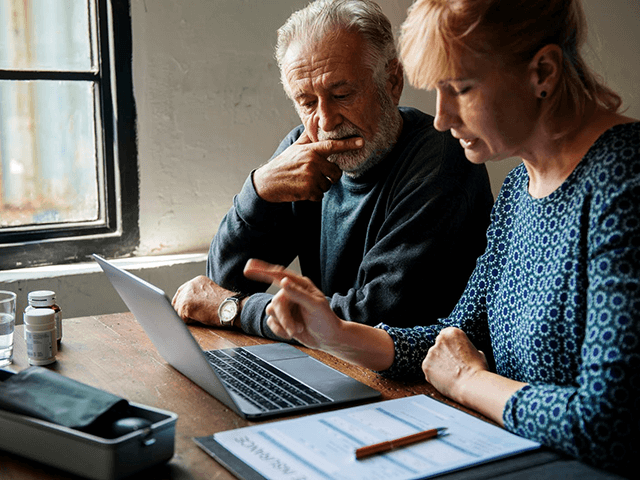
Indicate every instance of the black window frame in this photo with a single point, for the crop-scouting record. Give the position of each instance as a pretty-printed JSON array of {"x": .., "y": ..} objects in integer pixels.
[{"x": 119, "y": 235}]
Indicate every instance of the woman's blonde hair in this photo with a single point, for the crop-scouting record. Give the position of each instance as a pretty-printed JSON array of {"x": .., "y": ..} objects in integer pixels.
[{"x": 437, "y": 32}]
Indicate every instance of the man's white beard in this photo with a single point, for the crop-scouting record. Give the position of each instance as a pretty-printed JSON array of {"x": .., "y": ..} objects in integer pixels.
[{"x": 355, "y": 162}]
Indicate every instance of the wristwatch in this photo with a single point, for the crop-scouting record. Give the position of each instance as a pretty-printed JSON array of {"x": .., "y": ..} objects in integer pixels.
[{"x": 229, "y": 309}]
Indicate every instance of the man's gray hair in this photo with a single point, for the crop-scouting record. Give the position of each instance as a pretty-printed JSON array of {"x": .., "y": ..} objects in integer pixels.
[{"x": 323, "y": 17}]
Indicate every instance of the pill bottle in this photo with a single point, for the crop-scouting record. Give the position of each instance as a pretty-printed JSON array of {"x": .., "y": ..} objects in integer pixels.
[
  {"x": 40, "y": 335},
  {"x": 47, "y": 299}
]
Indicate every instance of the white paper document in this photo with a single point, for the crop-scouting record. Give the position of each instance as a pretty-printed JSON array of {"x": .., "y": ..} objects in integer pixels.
[{"x": 322, "y": 446}]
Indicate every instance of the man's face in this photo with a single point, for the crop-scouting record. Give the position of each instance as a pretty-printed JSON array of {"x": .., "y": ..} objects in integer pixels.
[{"x": 336, "y": 97}]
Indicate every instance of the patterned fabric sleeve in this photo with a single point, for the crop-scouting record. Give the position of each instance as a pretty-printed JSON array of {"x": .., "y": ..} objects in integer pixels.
[
  {"x": 411, "y": 346},
  {"x": 598, "y": 419}
]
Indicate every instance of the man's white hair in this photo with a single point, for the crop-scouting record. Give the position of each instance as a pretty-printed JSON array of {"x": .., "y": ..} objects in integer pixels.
[{"x": 324, "y": 17}]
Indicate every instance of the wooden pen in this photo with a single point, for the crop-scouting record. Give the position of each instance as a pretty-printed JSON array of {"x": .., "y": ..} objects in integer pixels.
[{"x": 382, "y": 447}]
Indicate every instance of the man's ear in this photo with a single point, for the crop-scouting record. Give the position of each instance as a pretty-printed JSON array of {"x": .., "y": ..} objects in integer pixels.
[
  {"x": 545, "y": 70},
  {"x": 395, "y": 80}
]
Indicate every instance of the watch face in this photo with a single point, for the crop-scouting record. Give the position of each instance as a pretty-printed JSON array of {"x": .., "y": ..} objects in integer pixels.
[{"x": 228, "y": 311}]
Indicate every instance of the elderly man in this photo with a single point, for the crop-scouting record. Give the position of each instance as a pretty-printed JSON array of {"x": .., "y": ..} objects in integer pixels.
[{"x": 353, "y": 192}]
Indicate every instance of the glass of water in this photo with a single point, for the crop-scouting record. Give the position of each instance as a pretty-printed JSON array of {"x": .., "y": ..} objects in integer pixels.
[{"x": 7, "y": 326}]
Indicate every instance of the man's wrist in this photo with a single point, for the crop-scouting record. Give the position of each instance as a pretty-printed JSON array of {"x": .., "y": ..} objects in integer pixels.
[{"x": 256, "y": 182}]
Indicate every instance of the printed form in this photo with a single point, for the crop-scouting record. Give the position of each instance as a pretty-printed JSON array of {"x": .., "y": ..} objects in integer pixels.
[{"x": 322, "y": 446}]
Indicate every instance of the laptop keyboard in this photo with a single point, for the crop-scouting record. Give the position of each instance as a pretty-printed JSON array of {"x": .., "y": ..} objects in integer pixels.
[{"x": 260, "y": 383}]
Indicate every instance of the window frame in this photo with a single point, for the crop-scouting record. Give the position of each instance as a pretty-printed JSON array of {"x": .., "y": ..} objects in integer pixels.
[{"x": 119, "y": 234}]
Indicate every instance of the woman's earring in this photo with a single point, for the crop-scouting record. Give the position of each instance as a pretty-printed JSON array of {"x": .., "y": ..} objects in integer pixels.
[{"x": 543, "y": 94}]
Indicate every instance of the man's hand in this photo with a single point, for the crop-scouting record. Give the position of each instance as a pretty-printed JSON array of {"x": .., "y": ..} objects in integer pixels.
[
  {"x": 302, "y": 171},
  {"x": 198, "y": 300}
]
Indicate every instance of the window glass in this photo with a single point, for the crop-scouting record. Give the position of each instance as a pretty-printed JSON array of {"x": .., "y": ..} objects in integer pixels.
[
  {"x": 49, "y": 157},
  {"x": 48, "y": 150},
  {"x": 47, "y": 35}
]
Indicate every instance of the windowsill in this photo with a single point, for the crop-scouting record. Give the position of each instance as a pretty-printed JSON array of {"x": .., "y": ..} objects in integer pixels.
[
  {"x": 83, "y": 290},
  {"x": 129, "y": 263}
]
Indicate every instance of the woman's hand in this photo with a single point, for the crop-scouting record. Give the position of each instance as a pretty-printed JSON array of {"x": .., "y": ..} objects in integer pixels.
[
  {"x": 452, "y": 361},
  {"x": 302, "y": 312},
  {"x": 460, "y": 371},
  {"x": 299, "y": 310}
]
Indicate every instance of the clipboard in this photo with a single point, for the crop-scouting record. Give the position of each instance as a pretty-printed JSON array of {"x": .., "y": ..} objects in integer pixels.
[
  {"x": 228, "y": 460},
  {"x": 300, "y": 456},
  {"x": 547, "y": 463}
]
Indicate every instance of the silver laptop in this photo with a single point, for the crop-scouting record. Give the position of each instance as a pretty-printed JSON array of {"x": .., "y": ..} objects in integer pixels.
[{"x": 259, "y": 381}]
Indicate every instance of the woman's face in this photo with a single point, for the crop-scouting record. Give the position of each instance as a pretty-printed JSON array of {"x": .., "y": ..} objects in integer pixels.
[{"x": 492, "y": 110}]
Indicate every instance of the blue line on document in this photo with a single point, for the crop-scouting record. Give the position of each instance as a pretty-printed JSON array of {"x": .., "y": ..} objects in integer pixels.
[
  {"x": 418, "y": 428},
  {"x": 293, "y": 454},
  {"x": 459, "y": 448}
]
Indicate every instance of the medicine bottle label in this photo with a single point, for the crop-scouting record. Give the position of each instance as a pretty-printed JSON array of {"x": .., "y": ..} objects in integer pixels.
[
  {"x": 40, "y": 345},
  {"x": 58, "y": 324}
]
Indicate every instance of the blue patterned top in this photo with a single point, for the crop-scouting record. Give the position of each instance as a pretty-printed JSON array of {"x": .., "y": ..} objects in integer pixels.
[{"x": 556, "y": 298}]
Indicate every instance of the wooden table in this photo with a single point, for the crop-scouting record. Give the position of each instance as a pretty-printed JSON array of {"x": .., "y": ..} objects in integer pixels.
[{"x": 113, "y": 353}]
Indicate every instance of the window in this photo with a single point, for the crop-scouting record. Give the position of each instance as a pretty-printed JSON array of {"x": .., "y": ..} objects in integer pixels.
[{"x": 68, "y": 156}]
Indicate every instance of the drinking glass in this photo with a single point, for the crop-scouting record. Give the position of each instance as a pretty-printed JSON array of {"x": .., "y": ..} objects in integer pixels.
[{"x": 7, "y": 326}]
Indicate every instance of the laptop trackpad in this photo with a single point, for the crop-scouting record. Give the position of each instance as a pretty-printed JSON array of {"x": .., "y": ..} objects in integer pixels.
[
  {"x": 314, "y": 373},
  {"x": 275, "y": 351}
]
